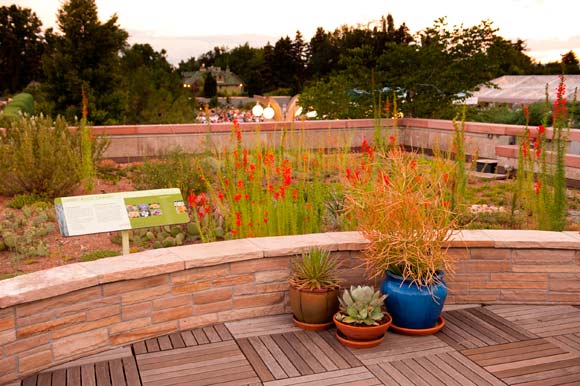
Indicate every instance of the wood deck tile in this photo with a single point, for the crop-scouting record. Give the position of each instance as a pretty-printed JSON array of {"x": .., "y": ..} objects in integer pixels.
[
  {"x": 476, "y": 327},
  {"x": 444, "y": 369},
  {"x": 268, "y": 325},
  {"x": 215, "y": 363},
  {"x": 568, "y": 342},
  {"x": 542, "y": 321},
  {"x": 88, "y": 375},
  {"x": 176, "y": 340},
  {"x": 116, "y": 372},
  {"x": 526, "y": 361},
  {"x": 398, "y": 347},
  {"x": 355, "y": 376}
]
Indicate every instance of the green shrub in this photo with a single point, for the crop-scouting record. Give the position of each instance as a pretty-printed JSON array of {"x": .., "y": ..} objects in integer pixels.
[
  {"x": 21, "y": 200},
  {"x": 98, "y": 254},
  {"x": 21, "y": 232},
  {"x": 41, "y": 157},
  {"x": 177, "y": 170}
]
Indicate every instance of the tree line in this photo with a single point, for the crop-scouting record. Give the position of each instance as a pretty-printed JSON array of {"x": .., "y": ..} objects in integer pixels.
[{"x": 342, "y": 73}]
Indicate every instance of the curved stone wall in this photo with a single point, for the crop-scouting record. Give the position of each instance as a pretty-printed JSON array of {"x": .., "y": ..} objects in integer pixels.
[{"x": 53, "y": 316}]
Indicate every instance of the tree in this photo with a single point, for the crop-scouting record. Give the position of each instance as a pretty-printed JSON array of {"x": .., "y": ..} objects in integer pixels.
[
  {"x": 509, "y": 57},
  {"x": 323, "y": 54},
  {"x": 209, "y": 86},
  {"x": 570, "y": 63},
  {"x": 21, "y": 48},
  {"x": 153, "y": 88},
  {"x": 86, "y": 55}
]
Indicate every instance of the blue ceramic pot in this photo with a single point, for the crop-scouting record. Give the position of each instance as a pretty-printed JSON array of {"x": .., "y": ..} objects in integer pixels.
[{"x": 412, "y": 306}]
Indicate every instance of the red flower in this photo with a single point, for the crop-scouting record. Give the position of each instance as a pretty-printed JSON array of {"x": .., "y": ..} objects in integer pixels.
[
  {"x": 526, "y": 113},
  {"x": 391, "y": 140},
  {"x": 265, "y": 220},
  {"x": 240, "y": 184},
  {"x": 365, "y": 145},
  {"x": 233, "y": 231},
  {"x": 220, "y": 195},
  {"x": 245, "y": 157},
  {"x": 191, "y": 199},
  {"x": 541, "y": 129},
  {"x": 295, "y": 194},
  {"x": 227, "y": 182},
  {"x": 537, "y": 186},
  {"x": 237, "y": 197},
  {"x": 238, "y": 219},
  {"x": 525, "y": 149}
]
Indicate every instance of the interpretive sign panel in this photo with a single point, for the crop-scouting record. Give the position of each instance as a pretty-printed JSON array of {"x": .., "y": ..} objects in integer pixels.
[{"x": 97, "y": 213}]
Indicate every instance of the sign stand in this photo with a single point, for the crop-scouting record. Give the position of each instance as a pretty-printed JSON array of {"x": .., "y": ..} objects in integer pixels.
[{"x": 125, "y": 242}]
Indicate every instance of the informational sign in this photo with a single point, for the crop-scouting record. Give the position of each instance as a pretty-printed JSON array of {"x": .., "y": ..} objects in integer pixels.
[{"x": 98, "y": 213}]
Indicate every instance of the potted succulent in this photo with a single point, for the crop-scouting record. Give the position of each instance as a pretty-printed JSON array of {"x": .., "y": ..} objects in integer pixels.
[
  {"x": 314, "y": 285},
  {"x": 409, "y": 230},
  {"x": 361, "y": 321}
]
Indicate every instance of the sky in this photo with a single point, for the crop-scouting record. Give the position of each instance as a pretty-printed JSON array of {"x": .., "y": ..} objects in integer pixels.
[{"x": 186, "y": 28}]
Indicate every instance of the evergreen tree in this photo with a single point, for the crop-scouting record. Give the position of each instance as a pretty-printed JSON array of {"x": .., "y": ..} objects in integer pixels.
[
  {"x": 21, "y": 47},
  {"x": 153, "y": 88},
  {"x": 209, "y": 86},
  {"x": 85, "y": 55},
  {"x": 570, "y": 63}
]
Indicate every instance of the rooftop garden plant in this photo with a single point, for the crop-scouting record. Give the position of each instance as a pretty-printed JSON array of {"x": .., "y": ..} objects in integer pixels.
[{"x": 314, "y": 284}]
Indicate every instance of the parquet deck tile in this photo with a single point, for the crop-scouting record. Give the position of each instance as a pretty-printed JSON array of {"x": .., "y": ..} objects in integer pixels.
[
  {"x": 215, "y": 363},
  {"x": 211, "y": 334},
  {"x": 277, "y": 324},
  {"x": 354, "y": 376},
  {"x": 543, "y": 321},
  {"x": 478, "y": 327},
  {"x": 398, "y": 347},
  {"x": 121, "y": 371},
  {"x": 536, "y": 360},
  {"x": 493, "y": 345}
]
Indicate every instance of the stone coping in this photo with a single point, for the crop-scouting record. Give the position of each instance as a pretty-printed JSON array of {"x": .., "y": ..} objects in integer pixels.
[
  {"x": 64, "y": 279},
  {"x": 440, "y": 124}
]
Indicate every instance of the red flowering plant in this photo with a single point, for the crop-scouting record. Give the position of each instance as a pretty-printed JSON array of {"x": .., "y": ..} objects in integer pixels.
[
  {"x": 541, "y": 187},
  {"x": 265, "y": 192},
  {"x": 406, "y": 214}
]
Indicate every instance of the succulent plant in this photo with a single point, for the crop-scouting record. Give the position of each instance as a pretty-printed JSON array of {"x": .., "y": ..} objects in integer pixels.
[
  {"x": 315, "y": 270},
  {"x": 361, "y": 305}
]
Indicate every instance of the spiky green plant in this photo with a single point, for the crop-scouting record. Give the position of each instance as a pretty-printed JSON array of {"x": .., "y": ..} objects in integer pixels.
[
  {"x": 361, "y": 305},
  {"x": 315, "y": 270}
]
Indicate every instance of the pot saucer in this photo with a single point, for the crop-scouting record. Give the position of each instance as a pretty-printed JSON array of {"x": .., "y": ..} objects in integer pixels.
[
  {"x": 358, "y": 343},
  {"x": 311, "y": 326},
  {"x": 419, "y": 331}
]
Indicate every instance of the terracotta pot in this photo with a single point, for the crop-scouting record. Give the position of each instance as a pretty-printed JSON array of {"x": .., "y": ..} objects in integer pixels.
[
  {"x": 364, "y": 333},
  {"x": 314, "y": 306}
]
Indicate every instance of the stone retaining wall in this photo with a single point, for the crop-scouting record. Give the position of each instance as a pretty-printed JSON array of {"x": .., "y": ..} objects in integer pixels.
[
  {"x": 53, "y": 316},
  {"x": 137, "y": 141}
]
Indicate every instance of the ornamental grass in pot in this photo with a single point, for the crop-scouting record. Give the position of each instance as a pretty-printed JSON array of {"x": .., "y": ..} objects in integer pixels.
[
  {"x": 314, "y": 285},
  {"x": 406, "y": 215},
  {"x": 361, "y": 321}
]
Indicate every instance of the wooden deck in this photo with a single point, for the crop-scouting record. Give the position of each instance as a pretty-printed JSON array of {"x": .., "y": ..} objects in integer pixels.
[{"x": 494, "y": 345}]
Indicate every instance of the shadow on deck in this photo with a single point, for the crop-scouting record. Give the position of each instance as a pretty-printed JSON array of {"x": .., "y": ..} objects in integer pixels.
[{"x": 492, "y": 345}]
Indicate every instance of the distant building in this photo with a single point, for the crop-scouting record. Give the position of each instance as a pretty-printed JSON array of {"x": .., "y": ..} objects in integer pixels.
[
  {"x": 228, "y": 83},
  {"x": 525, "y": 89}
]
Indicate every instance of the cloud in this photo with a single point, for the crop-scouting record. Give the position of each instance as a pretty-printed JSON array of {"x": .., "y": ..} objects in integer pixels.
[
  {"x": 184, "y": 47},
  {"x": 550, "y": 50}
]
